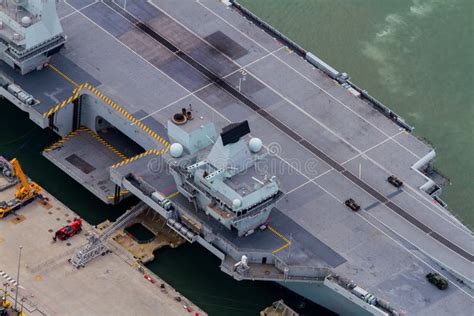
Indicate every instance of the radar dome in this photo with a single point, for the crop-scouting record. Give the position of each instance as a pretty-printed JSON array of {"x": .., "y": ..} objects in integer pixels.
[
  {"x": 176, "y": 150},
  {"x": 26, "y": 21},
  {"x": 255, "y": 145},
  {"x": 236, "y": 203}
]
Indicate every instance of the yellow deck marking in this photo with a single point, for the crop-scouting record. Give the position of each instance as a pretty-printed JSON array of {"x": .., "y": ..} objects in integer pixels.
[
  {"x": 281, "y": 248},
  {"x": 62, "y": 74},
  {"x": 122, "y": 193},
  {"x": 287, "y": 241},
  {"x": 172, "y": 195}
]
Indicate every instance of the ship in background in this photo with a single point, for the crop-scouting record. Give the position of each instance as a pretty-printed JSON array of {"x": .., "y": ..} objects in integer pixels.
[{"x": 245, "y": 143}]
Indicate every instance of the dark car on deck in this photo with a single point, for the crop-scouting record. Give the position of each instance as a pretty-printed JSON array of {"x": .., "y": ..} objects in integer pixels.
[{"x": 350, "y": 203}]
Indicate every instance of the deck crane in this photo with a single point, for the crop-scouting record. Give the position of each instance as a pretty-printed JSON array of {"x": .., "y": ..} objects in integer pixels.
[{"x": 27, "y": 190}]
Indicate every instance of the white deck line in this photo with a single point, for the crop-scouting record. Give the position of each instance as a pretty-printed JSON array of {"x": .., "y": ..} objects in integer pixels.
[
  {"x": 442, "y": 215},
  {"x": 74, "y": 12},
  {"x": 309, "y": 181},
  {"x": 362, "y": 154},
  {"x": 413, "y": 253}
]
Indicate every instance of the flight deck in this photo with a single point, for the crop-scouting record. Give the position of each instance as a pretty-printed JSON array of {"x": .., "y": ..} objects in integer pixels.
[{"x": 138, "y": 65}]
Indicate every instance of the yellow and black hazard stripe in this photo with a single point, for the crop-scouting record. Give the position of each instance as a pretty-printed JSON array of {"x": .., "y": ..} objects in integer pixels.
[
  {"x": 139, "y": 156},
  {"x": 92, "y": 134},
  {"x": 62, "y": 140},
  {"x": 61, "y": 105},
  {"x": 104, "y": 142}
]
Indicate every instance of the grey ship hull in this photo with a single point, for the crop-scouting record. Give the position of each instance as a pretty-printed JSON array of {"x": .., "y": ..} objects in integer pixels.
[
  {"x": 327, "y": 297},
  {"x": 311, "y": 116}
]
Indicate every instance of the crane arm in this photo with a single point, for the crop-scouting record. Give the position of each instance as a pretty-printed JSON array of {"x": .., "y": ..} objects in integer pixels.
[{"x": 20, "y": 174}]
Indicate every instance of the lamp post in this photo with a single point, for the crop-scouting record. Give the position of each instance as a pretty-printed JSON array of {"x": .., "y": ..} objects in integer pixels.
[{"x": 18, "y": 279}]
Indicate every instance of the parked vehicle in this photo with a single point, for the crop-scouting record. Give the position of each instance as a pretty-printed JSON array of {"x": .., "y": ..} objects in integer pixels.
[
  {"x": 350, "y": 203},
  {"x": 66, "y": 232},
  {"x": 395, "y": 181},
  {"x": 436, "y": 279}
]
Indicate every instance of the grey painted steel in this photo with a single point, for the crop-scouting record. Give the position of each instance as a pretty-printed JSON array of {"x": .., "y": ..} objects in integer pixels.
[
  {"x": 383, "y": 252},
  {"x": 216, "y": 79},
  {"x": 30, "y": 34}
]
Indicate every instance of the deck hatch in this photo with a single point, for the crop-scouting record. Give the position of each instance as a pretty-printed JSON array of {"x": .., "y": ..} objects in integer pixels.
[
  {"x": 226, "y": 45},
  {"x": 80, "y": 163}
]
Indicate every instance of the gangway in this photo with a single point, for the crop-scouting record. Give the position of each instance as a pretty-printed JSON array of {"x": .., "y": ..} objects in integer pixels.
[{"x": 95, "y": 245}]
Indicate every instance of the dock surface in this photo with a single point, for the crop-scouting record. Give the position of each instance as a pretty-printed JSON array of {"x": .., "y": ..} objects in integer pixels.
[{"x": 51, "y": 286}]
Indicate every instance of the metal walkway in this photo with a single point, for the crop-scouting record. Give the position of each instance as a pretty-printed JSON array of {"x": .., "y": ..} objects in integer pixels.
[{"x": 95, "y": 246}]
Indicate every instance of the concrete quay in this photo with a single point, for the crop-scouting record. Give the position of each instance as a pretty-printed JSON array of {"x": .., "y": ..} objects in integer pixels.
[{"x": 113, "y": 284}]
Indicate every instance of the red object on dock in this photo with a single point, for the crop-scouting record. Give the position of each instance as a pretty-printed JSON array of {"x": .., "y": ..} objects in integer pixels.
[
  {"x": 147, "y": 277},
  {"x": 66, "y": 232}
]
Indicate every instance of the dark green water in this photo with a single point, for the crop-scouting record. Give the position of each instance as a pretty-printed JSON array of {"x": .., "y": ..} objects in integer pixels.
[
  {"x": 417, "y": 56},
  {"x": 140, "y": 233}
]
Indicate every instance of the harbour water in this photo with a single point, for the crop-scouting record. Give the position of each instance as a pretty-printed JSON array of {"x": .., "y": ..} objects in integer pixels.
[{"x": 415, "y": 56}]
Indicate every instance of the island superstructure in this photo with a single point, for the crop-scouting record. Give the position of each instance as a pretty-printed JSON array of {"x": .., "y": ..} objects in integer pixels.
[
  {"x": 29, "y": 33},
  {"x": 221, "y": 177},
  {"x": 249, "y": 146}
]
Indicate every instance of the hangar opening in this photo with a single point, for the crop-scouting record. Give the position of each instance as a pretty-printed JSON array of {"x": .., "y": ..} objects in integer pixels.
[{"x": 116, "y": 138}]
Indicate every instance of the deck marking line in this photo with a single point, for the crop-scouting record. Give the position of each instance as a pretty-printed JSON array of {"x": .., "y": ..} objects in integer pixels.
[
  {"x": 62, "y": 74},
  {"x": 287, "y": 241}
]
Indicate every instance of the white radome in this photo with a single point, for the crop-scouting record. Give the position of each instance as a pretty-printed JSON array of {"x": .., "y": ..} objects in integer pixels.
[
  {"x": 236, "y": 203},
  {"x": 255, "y": 145},
  {"x": 176, "y": 150},
  {"x": 26, "y": 21}
]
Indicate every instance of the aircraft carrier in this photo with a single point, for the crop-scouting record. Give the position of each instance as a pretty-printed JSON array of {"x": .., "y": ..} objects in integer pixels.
[{"x": 246, "y": 143}]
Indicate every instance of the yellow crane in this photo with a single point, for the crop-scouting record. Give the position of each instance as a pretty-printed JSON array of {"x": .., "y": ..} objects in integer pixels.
[{"x": 26, "y": 192}]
